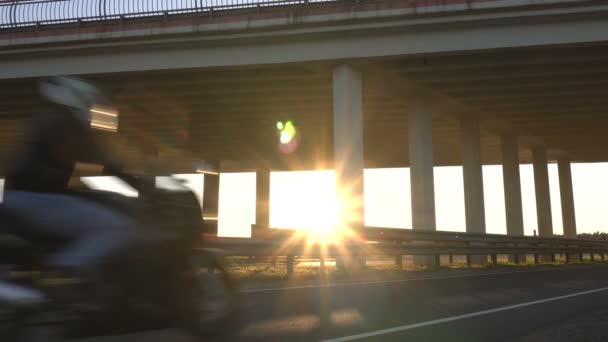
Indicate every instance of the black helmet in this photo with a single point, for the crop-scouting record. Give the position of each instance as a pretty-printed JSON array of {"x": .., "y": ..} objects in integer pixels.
[{"x": 82, "y": 98}]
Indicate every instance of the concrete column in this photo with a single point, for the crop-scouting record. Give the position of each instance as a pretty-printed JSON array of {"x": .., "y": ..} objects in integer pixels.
[
  {"x": 421, "y": 172},
  {"x": 473, "y": 177},
  {"x": 348, "y": 152},
  {"x": 348, "y": 144},
  {"x": 421, "y": 167},
  {"x": 473, "y": 181},
  {"x": 567, "y": 198},
  {"x": 543, "y": 197},
  {"x": 512, "y": 186},
  {"x": 211, "y": 194},
  {"x": 512, "y": 190},
  {"x": 262, "y": 198}
]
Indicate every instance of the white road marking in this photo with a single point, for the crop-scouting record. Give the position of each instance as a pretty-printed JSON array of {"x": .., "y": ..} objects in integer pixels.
[
  {"x": 459, "y": 317},
  {"x": 316, "y": 286}
]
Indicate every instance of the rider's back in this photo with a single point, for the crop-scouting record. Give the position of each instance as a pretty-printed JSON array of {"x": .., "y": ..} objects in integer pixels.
[{"x": 55, "y": 142}]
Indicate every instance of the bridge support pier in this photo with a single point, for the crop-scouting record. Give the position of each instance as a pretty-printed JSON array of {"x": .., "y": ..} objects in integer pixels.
[
  {"x": 421, "y": 171},
  {"x": 262, "y": 199},
  {"x": 473, "y": 181},
  {"x": 543, "y": 197},
  {"x": 211, "y": 191},
  {"x": 567, "y": 198},
  {"x": 512, "y": 188},
  {"x": 348, "y": 148}
]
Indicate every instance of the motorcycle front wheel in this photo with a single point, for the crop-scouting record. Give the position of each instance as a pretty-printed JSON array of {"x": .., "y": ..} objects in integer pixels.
[{"x": 213, "y": 304}]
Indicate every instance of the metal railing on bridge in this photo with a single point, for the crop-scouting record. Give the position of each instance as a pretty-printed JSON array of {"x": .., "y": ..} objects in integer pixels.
[
  {"x": 397, "y": 242},
  {"x": 22, "y": 14}
]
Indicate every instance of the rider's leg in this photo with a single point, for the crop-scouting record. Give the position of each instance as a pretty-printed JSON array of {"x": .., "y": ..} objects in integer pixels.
[{"x": 96, "y": 231}]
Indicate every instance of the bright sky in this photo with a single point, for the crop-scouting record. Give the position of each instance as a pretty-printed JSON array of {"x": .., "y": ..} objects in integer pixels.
[{"x": 299, "y": 199}]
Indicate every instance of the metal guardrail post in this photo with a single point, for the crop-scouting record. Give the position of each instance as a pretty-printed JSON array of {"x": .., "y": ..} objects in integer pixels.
[
  {"x": 273, "y": 261},
  {"x": 290, "y": 260},
  {"x": 13, "y": 15},
  {"x": 102, "y": 9},
  {"x": 399, "y": 261}
]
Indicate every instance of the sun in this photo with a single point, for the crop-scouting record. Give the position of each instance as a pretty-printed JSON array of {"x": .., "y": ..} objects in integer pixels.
[
  {"x": 308, "y": 201},
  {"x": 304, "y": 200}
]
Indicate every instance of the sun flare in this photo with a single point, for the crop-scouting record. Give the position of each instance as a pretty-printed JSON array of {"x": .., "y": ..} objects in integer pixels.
[
  {"x": 303, "y": 200},
  {"x": 307, "y": 201}
]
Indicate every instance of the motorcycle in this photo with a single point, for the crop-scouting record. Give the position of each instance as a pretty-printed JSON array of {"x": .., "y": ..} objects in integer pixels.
[{"x": 166, "y": 279}]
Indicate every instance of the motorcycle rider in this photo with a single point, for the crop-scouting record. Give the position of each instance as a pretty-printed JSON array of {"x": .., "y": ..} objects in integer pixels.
[{"x": 36, "y": 187}]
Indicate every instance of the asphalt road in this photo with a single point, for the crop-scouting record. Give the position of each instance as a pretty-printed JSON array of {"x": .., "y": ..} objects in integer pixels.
[{"x": 567, "y": 303}]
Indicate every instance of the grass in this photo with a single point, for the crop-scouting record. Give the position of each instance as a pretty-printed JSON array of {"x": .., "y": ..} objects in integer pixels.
[{"x": 261, "y": 270}]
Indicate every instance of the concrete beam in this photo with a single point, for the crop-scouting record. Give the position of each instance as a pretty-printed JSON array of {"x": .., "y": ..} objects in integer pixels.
[
  {"x": 543, "y": 196},
  {"x": 567, "y": 197},
  {"x": 407, "y": 92},
  {"x": 364, "y": 39}
]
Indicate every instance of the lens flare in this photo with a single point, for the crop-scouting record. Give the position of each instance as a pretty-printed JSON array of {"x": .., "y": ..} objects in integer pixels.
[
  {"x": 289, "y": 138},
  {"x": 288, "y": 132},
  {"x": 285, "y": 138}
]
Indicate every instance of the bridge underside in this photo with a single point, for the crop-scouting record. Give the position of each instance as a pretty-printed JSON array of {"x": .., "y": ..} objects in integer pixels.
[{"x": 549, "y": 97}]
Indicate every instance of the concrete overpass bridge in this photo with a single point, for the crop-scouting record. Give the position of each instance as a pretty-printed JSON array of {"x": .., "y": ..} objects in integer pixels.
[{"x": 368, "y": 83}]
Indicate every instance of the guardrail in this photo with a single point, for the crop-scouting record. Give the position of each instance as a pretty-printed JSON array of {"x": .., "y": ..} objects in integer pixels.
[
  {"x": 397, "y": 242},
  {"x": 15, "y": 14}
]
